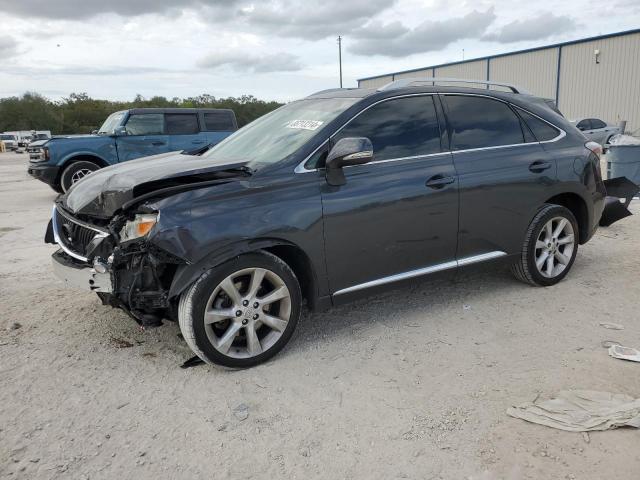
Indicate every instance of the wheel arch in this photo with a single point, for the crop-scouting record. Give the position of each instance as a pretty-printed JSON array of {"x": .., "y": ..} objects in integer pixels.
[
  {"x": 578, "y": 206},
  {"x": 290, "y": 253},
  {"x": 84, "y": 157}
]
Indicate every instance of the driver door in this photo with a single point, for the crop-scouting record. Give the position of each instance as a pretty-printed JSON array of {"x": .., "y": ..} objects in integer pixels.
[
  {"x": 145, "y": 136},
  {"x": 397, "y": 216}
]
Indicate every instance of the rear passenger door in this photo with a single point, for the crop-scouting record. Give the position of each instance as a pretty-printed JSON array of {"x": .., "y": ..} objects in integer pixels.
[
  {"x": 396, "y": 217},
  {"x": 145, "y": 136},
  {"x": 184, "y": 131},
  {"x": 504, "y": 174}
]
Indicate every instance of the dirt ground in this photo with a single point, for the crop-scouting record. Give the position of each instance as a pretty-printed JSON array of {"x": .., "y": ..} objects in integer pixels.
[{"x": 413, "y": 384}]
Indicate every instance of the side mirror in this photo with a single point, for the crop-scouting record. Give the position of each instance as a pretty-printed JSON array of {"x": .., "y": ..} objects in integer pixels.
[
  {"x": 120, "y": 131},
  {"x": 347, "y": 152}
]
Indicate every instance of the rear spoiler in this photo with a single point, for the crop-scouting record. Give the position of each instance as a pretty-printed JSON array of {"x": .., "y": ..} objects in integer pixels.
[{"x": 620, "y": 188}]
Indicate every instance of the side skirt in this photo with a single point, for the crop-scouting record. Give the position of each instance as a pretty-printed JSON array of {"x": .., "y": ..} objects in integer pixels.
[{"x": 423, "y": 271}]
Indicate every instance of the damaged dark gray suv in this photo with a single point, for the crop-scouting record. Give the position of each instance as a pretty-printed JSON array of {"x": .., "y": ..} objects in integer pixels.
[{"x": 338, "y": 195}]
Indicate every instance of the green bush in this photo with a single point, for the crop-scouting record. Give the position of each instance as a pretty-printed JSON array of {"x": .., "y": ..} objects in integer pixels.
[{"x": 79, "y": 113}]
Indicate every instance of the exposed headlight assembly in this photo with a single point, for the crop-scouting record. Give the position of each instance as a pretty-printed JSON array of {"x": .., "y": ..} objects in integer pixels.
[{"x": 140, "y": 226}]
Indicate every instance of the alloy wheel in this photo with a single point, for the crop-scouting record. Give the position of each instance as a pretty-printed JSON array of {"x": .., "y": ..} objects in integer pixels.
[
  {"x": 247, "y": 312},
  {"x": 554, "y": 247},
  {"x": 80, "y": 174}
]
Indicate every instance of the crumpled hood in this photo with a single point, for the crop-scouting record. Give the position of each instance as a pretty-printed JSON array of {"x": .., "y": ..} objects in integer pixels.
[{"x": 105, "y": 191}]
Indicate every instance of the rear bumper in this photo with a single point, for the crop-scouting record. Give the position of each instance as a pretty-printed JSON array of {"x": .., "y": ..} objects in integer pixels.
[
  {"x": 45, "y": 173},
  {"x": 80, "y": 276},
  {"x": 620, "y": 192}
]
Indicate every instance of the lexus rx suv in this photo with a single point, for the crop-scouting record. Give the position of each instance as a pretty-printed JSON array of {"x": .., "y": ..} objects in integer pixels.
[{"x": 341, "y": 194}]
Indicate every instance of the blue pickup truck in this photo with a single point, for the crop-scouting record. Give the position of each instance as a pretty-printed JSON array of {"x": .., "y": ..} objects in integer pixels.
[{"x": 126, "y": 135}]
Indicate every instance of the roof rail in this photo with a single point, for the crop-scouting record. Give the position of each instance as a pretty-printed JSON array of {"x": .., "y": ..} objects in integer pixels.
[{"x": 421, "y": 82}]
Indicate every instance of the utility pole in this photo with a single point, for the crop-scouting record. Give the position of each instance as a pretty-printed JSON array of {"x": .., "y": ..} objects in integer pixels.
[{"x": 340, "y": 57}]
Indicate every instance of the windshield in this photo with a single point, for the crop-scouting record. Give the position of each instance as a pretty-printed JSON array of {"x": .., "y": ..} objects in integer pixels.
[
  {"x": 280, "y": 133},
  {"x": 7, "y": 137},
  {"x": 111, "y": 122}
]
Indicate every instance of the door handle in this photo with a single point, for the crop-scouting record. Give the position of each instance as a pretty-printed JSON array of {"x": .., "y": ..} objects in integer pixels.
[
  {"x": 157, "y": 144},
  {"x": 539, "y": 166},
  {"x": 439, "y": 181},
  {"x": 197, "y": 142}
]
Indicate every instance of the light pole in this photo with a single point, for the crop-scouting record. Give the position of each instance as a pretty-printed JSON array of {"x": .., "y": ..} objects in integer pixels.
[{"x": 340, "y": 57}]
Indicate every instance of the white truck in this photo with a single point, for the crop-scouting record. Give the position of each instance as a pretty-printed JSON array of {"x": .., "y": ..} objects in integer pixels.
[
  {"x": 23, "y": 137},
  {"x": 9, "y": 141}
]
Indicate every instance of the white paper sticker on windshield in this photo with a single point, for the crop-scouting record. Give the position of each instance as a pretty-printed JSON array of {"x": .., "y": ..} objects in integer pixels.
[{"x": 305, "y": 124}]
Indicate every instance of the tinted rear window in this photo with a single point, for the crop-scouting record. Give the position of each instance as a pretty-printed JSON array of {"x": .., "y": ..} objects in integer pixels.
[
  {"x": 219, "y": 122},
  {"x": 181, "y": 123},
  {"x": 479, "y": 122},
  {"x": 405, "y": 127},
  {"x": 542, "y": 130}
]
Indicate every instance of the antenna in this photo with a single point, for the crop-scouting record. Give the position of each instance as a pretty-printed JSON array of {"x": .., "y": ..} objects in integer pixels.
[{"x": 340, "y": 57}]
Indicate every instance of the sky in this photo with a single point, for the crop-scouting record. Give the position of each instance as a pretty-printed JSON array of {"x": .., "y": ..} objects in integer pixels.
[{"x": 272, "y": 49}]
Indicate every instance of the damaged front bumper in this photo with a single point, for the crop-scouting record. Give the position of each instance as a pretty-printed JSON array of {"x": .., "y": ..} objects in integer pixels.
[
  {"x": 134, "y": 276},
  {"x": 80, "y": 276}
]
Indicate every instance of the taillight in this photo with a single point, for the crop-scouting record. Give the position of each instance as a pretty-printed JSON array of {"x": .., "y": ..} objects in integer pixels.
[{"x": 595, "y": 148}]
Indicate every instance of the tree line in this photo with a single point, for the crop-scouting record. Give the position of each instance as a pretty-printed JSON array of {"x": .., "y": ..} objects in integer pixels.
[{"x": 79, "y": 113}]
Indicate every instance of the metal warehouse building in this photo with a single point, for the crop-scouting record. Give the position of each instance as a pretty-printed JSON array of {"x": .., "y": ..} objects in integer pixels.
[{"x": 597, "y": 77}]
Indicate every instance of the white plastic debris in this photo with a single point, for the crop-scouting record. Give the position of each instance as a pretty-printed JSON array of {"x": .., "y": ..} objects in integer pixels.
[
  {"x": 624, "y": 353},
  {"x": 581, "y": 411},
  {"x": 622, "y": 139},
  {"x": 612, "y": 326}
]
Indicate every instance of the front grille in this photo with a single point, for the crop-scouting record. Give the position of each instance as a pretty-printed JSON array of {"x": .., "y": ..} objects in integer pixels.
[{"x": 73, "y": 234}]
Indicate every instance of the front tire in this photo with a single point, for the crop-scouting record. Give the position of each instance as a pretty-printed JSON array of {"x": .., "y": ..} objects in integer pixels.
[
  {"x": 241, "y": 313},
  {"x": 549, "y": 248},
  {"x": 75, "y": 172}
]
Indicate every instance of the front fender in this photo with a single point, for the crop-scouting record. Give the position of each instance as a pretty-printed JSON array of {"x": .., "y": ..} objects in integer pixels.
[
  {"x": 186, "y": 274},
  {"x": 81, "y": 153}
]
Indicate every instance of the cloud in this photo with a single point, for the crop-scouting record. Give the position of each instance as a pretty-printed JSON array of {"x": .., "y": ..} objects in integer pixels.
[
  {"x": 537, "y": 28},
  {"x": 283, "y": 18},
  {"x": 80, "y": 9},
  {"x": 8, "y": 46},
  {"x": 396, "y": 40},
  {"x": 81, "y": 70},
  {"x": 311, "y": 21},
  {"x": 252, "y": 62}
]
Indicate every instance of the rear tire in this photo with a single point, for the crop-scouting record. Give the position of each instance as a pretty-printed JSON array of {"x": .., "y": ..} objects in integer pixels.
[
  {"x": 241, "y": 313},
  {"x": 76, "y": 172},
  {"x": 550, "y": 247}
]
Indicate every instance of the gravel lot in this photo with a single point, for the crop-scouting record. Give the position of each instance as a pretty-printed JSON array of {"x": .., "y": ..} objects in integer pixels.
[{"x": 413, "y": 384}]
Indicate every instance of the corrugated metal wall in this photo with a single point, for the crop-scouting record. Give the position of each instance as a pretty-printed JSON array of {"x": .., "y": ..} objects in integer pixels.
[
  {"x": 609, "y": 90},
  {"x": 534, "y": 71},
  {"x": 375, "y": 82},
  {"x": 427, "y": 73},
  {"x": 476, "y": 70}
]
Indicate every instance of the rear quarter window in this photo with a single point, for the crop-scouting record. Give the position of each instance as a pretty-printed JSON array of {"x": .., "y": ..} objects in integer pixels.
[
  {"x": 481, "y": 122},
  {"x": 541, "y": 129}
]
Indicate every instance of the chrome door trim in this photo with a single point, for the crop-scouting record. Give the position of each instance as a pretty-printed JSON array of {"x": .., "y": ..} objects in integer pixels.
[
  {"x": 423, "y": 271},
  {"x": 300, "y": 168}
]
